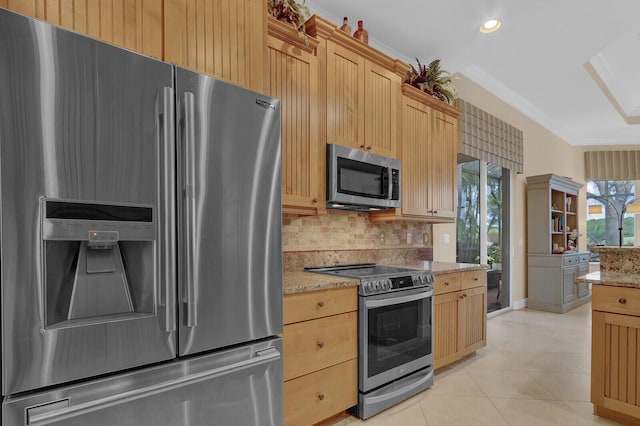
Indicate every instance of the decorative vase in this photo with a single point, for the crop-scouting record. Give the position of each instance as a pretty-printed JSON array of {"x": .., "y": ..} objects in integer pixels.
[
  {"x": 345, "y": 26},
  {"x": 361, "y": 34}
]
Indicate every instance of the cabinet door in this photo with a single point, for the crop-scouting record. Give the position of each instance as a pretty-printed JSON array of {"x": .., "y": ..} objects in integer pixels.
[
  {"x": 473, "y": 319},
  {"x": 293, "y": 78},
  {"x": 382, "y": 108},
  {"x": 615, "y": 377},
  {"x": 442, "y": 167},
  {"x": 133, "y": 24},
  {"x": 223, "y": 38},
  {"x": 447, "y": 335},
  {"x": 345, "y": 97},
  {"x": 415, "y": 153},
  {"x": 569, "y": 288}
]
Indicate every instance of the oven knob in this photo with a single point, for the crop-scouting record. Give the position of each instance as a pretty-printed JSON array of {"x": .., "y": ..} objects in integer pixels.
[
  {"x": 386, "y": 285},
  {"x": 366, "y": 287},
  {"x": 376, "y": 286}
]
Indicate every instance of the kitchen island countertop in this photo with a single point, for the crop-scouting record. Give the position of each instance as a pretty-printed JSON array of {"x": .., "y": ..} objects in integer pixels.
[
  {"x": 617, "y": 279},
  {"x": 299, "y": 282}
]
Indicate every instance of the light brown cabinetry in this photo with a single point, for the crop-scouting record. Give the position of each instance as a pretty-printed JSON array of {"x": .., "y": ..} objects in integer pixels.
[
  {"x": 459, "y": 316},
  {"x": 615, "y": 371},
  {"x": 362, "y": 89},
  {"x": 320, "y": 354},
  {"x": 133, "y": 24},
  {"x": 293, "y": 78},
  {"x": 428, "y": 150},
  {"x": 223, "y": 38}
]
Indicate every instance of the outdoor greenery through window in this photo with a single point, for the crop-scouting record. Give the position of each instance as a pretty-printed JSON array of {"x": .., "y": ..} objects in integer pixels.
[{"x": 608, "y": 211}]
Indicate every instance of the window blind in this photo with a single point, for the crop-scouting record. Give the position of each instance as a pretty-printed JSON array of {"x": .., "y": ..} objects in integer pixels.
[
  {"x": 490, "y": 139},
  {"x": 612, "y": 165}
]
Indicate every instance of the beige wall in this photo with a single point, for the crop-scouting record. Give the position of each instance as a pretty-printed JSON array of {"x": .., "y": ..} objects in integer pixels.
[{"x": 544, "y": 152}]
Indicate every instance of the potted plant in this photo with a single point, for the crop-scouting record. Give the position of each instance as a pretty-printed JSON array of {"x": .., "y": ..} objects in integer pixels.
[
  {"x": 290, "y": 12},
  {"x": 432, "y": 80}
]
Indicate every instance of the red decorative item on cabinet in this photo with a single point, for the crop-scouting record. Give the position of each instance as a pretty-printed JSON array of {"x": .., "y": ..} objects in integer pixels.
[{"x": 361, "y": 34}]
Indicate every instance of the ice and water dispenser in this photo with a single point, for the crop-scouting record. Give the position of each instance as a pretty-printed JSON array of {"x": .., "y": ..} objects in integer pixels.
[{"x": 99, "y": 261}]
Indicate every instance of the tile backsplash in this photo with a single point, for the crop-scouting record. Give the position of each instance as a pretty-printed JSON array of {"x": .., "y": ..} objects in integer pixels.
[{"x": 343, "y": 230}]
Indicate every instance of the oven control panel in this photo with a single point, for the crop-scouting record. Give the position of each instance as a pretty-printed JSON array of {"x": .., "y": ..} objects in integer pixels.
[{"x": 377, "y": 285}]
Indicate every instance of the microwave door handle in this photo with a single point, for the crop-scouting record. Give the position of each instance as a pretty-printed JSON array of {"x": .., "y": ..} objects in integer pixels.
[
  {"x": 190, "y": 194},
  {"x": 378, "y": 303},
  {"x": 166, "y": 133}
]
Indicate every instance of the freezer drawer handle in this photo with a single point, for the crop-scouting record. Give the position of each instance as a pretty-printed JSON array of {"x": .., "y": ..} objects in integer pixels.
[
  {"x": 33, "y": 412},
  {"x": 66, "y": 413}
]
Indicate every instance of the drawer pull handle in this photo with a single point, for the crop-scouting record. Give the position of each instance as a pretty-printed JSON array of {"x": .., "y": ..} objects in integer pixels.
[
  {"x": 321, "y": 396},
  {"x": 321, "y": 304},
  {"x": 622, "y": 300},
  {"x": 475, "y": 278},
  {"x": 320, "y": 345}
]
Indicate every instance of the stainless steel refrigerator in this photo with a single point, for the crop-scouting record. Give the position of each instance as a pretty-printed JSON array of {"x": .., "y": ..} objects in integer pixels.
[{"x": 140, "y": 238}]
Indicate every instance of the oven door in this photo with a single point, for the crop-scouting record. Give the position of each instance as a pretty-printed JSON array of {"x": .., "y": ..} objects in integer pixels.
[{"x": 395, "y": 336}]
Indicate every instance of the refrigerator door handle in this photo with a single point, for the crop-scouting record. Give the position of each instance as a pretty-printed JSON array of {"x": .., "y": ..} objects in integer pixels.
[
  {"x": 66, "y": 413},
  {"x": 190, "y": 208},
  {"x": 167, "y": 201}
]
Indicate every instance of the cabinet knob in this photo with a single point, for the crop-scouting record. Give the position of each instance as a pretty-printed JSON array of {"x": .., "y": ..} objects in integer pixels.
[
  {"x": 369, "y": 147},
  {"x": 446, "y": 283},
  {"x": 434, "y": 211},
  {"x": 622, "y": 300},
  {"x": 321, "y": 396},
  {"x": 361, "y": 146},
  {"x": 320, "y": 345},
  {"x": 475, "y": 278},
  {"x": 315, "y": 201},
  {"x": 321, "y": 304}
]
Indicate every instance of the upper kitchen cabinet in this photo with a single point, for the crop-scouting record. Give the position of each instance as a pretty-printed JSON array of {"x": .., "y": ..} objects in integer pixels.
[
  {"x": 362, "y": 91},
  {"x": 133, "y": 24},
  {"x": 293, "y": 78},
  {"x": 223, "y": 38},
  {"x": 428, "y": 151}
]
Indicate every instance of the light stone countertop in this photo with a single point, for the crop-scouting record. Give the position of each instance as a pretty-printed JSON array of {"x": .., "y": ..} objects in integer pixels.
[
  {"x": 616, "y": 279},
  {"x": 299, "y": 282}
]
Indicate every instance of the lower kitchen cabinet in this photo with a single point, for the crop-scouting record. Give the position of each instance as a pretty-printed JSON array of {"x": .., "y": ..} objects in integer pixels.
[
  {"x": 320, "y": 354},
  {"x": 615, "y": 371},
  {"x": 459, "y": 315},
  {"x": 552, "y": 281}
]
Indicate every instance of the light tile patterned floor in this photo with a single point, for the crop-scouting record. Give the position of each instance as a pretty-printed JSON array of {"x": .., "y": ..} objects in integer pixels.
[{"x": 534, "y": 371}]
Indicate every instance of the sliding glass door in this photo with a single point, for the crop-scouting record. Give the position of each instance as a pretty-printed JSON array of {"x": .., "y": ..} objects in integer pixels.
[{"x": 483, "y": 224}]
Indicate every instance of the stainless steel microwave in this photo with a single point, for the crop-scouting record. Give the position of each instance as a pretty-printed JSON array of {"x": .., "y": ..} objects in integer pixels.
[{"x": 361, "y": 181}]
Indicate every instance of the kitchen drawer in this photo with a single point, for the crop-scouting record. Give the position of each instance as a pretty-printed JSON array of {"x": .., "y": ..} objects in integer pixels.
[
  {"x": 313, "y": 345},
  {"x": 621, "y": 300},
  {"x": 320, "y": 395},
  {"x": 471, "y": 279},
  {"x": 446, "y": 283},
  {"x": 317, "y": 304},
  {"x": 569, "y": 260}
]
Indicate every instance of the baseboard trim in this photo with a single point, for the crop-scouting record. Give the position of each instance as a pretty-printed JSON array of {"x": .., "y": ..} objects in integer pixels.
[{"x": 520, "y": 304}]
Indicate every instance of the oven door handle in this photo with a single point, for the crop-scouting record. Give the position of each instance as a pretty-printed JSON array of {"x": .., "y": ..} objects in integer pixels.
[{"x": 397, "y": 300}]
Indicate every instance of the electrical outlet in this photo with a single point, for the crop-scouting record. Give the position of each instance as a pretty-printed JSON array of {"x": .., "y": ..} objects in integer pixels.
[
  {"x": 381, "y": 238},
  {"x": 445, "y": 239},
  {"x": 408, "y": 237}
]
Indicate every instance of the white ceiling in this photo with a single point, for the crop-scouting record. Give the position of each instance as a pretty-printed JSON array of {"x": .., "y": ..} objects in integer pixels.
[{"x": 573, "y": 66}]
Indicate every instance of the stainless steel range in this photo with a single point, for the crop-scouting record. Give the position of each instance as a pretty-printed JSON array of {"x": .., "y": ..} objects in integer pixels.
[{"x": 395, "y": 345}]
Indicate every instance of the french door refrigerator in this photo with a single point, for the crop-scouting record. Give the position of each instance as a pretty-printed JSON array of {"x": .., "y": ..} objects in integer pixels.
[{"x": 140, "y": 238}]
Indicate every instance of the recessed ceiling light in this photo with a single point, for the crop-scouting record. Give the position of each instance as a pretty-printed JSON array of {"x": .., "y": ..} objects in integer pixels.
[{"x": 490, "y": 26}]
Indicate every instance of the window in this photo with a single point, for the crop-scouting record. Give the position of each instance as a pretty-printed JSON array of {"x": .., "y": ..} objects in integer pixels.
[{"x": 610, "y": 219}]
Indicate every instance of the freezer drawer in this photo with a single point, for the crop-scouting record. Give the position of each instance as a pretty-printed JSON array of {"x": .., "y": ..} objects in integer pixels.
[{"x": 240, "y": 386}]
